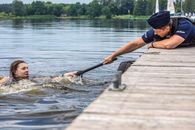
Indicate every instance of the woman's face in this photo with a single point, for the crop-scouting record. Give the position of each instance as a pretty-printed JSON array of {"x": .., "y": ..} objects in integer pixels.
[{"x": 22, "y": 71}]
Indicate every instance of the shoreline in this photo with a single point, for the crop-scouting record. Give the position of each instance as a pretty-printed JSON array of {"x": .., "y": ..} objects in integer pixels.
[{"x": 42, "y": 17}]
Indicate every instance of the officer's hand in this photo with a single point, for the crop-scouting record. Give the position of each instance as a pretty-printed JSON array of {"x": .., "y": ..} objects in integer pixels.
[{"x": 108, "y": 59}]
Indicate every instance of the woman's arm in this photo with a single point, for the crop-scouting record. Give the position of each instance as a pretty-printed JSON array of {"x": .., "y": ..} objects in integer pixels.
[
  {"x": 4, "y": 79},
  {"x": 67, "y": 77},
  {"x": 71, "y": 74}
]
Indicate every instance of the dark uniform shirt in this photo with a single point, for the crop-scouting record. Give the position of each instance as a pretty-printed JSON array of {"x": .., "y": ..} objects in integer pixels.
[{"x": 184, "y": 29}]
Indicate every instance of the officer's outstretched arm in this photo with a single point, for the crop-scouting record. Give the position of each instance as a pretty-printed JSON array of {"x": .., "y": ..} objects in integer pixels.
[
  {"x": 170, "y": 43},
  {"x": 129, "y": 47}
]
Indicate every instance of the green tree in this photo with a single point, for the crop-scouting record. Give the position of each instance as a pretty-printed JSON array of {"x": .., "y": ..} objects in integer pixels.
[
  {"x": 114, "y": 9},
  {"x": 189, "y": 6},
  {"x": 58, "y": 10},
  {"x": 177, "y": 4},
  {"x": 38, "y": 8},
  {"x": 72, "y": 10},
  {"x": 77, "y": 9},
  {"x": 106, "y": 11},
  {"x": 126, "y": 6},
  {"x": 6, "y": 8},
  {"x": 163, "y": 4},
  {"x": 83, "y": 9},
  {"x": 94, "y": 9},
  {"x": 49, "y": 8},
  {"x": 18, "y": 8},
  {"x": 150, "y": 9},
  {"x": 105, "y": 2},
  {"x": 66, "y": 8},
  {"x": 29, "y": 10},
  {"x": 140, "y": 7}
]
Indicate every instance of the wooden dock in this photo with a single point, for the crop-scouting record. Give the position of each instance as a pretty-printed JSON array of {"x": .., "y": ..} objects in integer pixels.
[{"x": 160, "y": 96}]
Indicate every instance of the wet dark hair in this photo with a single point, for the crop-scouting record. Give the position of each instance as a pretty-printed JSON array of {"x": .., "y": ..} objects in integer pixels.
[{"x": 13, "y": 68}]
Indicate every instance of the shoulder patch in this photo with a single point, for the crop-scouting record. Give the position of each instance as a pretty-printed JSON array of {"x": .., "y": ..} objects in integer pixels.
[
  {"x": 145, "y": 35},
  {"x": 179, "y": 31}
]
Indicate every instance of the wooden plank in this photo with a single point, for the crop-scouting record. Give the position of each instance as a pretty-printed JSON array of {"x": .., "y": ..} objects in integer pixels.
[
  {"x": 171, "y": 59},
  {"x": 118, "y": 122},
  {"x": 159, "y": 69},
  {"x": 172, "y": 80},
  {"x": 178, "y": 51}
]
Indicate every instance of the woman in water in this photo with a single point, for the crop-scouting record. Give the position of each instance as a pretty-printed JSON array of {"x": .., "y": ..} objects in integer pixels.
[{"x": 19, "y": 71}]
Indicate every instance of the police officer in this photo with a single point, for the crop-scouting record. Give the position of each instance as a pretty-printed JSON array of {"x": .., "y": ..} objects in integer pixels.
[{"x": 166, "y": 33}]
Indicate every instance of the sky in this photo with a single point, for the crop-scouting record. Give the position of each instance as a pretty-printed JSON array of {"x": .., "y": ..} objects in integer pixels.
[{"x": 53, "y": 1}]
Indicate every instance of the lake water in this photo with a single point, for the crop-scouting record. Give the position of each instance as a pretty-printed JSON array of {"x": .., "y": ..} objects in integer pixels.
[{"x": 52, "y": 48}]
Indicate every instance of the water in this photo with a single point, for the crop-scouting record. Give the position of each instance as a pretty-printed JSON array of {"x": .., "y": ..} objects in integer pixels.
[{"x": 52, "y": 48}]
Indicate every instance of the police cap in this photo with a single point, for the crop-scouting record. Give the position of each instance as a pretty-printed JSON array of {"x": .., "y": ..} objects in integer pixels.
[{"x": 159, "y": 19}]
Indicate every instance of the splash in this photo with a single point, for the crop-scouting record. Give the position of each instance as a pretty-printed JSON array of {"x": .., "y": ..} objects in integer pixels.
[
  {"x": 21, "y": 86},
  {"x": 37, "y": 84},
  {"x": 68, "y": 80}
]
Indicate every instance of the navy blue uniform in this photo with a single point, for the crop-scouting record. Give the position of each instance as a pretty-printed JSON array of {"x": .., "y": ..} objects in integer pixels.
[{"x": 184, "y": 29}]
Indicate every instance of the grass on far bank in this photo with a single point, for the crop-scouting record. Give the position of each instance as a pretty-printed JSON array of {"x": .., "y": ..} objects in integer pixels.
[
  {"x": 75, "y": 17},
  {"x": 123, "y": 17},
  {"x": 35, "y": 17},
  {"x": 129, "y": 17},
  {"x": 10, "y": 16}
]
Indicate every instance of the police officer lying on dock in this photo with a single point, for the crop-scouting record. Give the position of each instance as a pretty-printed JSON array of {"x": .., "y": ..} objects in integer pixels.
[
  {"x": 19, "y": 71},
  {"x": 166, "y": 33}
]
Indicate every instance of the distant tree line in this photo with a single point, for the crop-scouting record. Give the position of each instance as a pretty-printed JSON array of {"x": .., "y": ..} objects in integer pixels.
[
  {"x": 18, "y": 8},
  {"x": 95, "y": 8}
]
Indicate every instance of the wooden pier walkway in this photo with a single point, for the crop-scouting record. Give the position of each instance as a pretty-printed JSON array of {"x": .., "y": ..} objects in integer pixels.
[{"x": 160, "y": 96}]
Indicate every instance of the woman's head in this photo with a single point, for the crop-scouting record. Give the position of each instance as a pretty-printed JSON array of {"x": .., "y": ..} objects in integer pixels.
[{"x": 19, "y": 70}]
